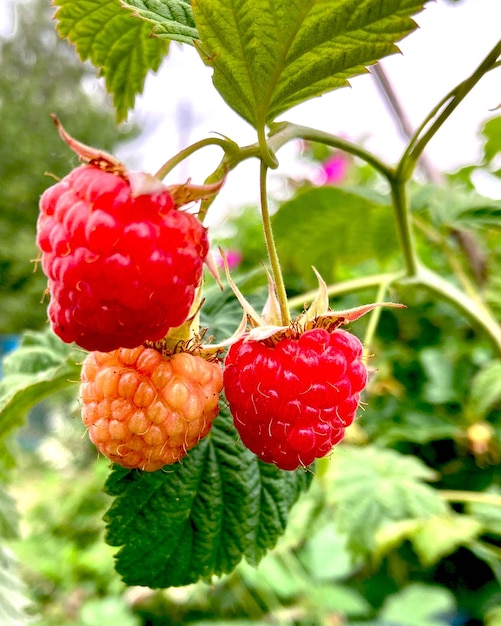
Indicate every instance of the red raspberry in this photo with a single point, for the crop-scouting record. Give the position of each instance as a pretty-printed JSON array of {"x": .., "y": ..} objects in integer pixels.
[
  {"x": 291, "y": 400},
  {"x": 144, "y": 410},
  {"x": 122, "y": 268}
]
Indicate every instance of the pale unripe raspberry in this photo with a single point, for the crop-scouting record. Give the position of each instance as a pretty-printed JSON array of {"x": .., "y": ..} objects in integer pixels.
[
  {"x": 122, "y": 268},
  {"x": 291, "y": 400},
  {"x": 144, "y": 410}
]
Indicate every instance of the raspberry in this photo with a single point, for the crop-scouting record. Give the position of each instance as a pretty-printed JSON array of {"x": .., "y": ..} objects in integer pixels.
[
  {"x": 144, "y": 410},
  {"x": 292, "y": 399},
  {"x": 122, "y": 268}
]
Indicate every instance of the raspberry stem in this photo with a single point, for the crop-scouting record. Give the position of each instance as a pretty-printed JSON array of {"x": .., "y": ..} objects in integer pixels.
[
  {"x": 441, "y": 112},
  {"x": 227, "y": 145},
  {"x": 271, "y": 247},
  {"x": 404, "y": 227}
]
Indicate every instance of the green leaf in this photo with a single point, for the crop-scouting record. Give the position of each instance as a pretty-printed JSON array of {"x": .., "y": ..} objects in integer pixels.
[
  {"x": 40, "y": 366},
  {"x": 442, "y": 535},
  {"x": 170, "y": 19},
  {"x": 269, "y": 56},
  {"x": 485, "y": 391},
  {"x": 120, "y": 46},
  {"x": 456, "y": 207},
  {"x": 492, "y": 134},
  {"x": 488, "y": 553},
  {"x": 337, "y": 599},
  {"x": 419, "y": 604},
  {"x": 199, "y": 517},
  {"x": 487, "y": 213},
  {"x": 13, "y": 601},
  {"x": 372, "y": 487},
  {"x": 8, "y": 515},
  {"x": 488, "y": 513},
  {"x": 330, "y": 228},
  {"x": 13, "y": 597}
]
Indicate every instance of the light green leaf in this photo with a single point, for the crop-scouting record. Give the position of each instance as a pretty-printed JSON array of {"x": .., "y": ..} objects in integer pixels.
[
  {"x": 120, "y": 46},
  {"x": 329, "y": 228},
  {"x": 40, "y": 366},
  {"x": 440, "y": 385},
  {"x": 199, "y": 517},
  {"x": 338, "y": 599},
  {"x": 491, "y": 132},
  {"x": 442, "y": 535},
  {"x": 371, "y": 487},
  {"x": 419, "y": 604},
  {"x": 485, "y": 391},
  {"x": 170, "y": 19},
  {"x": 488, "y": 512},
  {"x": 488, "y": 553},
  {"x": 269, "y": 56},
  {"x": 493, "y": 616},
  {"x": 107, "y": 610},
  {"x": 325, "y": 554},
  {"x": 416, "y": 426},
  {"x": 8, "y": 515},
  {"x": 13, "y": 597}
]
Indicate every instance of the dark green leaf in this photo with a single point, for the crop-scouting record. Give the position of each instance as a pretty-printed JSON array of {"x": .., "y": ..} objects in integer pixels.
[
  {"x": 118, "y": 44},
  {"x": 269, "y": 56},
  {"x": 170, "y": 19},
  {"x": 487, "y": 214},
  {"x": 200, "y": 517}
]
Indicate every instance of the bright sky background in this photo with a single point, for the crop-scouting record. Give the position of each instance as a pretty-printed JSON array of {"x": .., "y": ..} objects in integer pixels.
[{"x": 181, "y": 106}]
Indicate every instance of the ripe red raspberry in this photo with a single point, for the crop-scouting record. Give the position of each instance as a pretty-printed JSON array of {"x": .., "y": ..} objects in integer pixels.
[
  {"x": 144, "y": 410},
  {"x": 122, "y": 268},
  {"x": 292, "y": 399}
]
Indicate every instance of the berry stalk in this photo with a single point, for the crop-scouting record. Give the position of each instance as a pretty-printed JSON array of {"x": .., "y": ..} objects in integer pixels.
[{"x": 272, "y": 249}]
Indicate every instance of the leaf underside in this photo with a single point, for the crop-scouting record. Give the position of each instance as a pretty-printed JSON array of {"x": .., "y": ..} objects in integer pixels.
[
  {"x": 169, "y": 19},
  {"x": 269, "y": 56},
  {"x": 199, "y": 517}
]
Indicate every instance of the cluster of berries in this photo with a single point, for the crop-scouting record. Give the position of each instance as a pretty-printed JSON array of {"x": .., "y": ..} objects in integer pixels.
[{"x": 124, "y": 263}]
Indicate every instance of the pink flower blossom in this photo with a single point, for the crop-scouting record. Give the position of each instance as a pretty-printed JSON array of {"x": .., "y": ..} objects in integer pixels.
[
  {"x": 234, "y": 258},
  {"x": 334, "y": 169}
]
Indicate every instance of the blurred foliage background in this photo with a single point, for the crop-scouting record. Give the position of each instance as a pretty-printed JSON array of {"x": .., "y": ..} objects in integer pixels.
[
  {"x": 40, "y": 75},
  {"x": 434, "y": 397}
]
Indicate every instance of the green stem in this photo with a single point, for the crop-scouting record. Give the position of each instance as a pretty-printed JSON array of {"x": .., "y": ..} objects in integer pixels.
[
  {"x": 347, "y": 286},
  {"x": 266, "y": 153},
  {"x": 374, "y": 320},
  {"x": 470, "y": 496},
  {"x": 441, "y": 113},
  {"x": 404, "y": 227},
  {"x": 226, "y": 144},
  {"x": 476, "y": 311},
  {"x": 282, "y": 132},
  {"x": 272, "y": 249}
]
